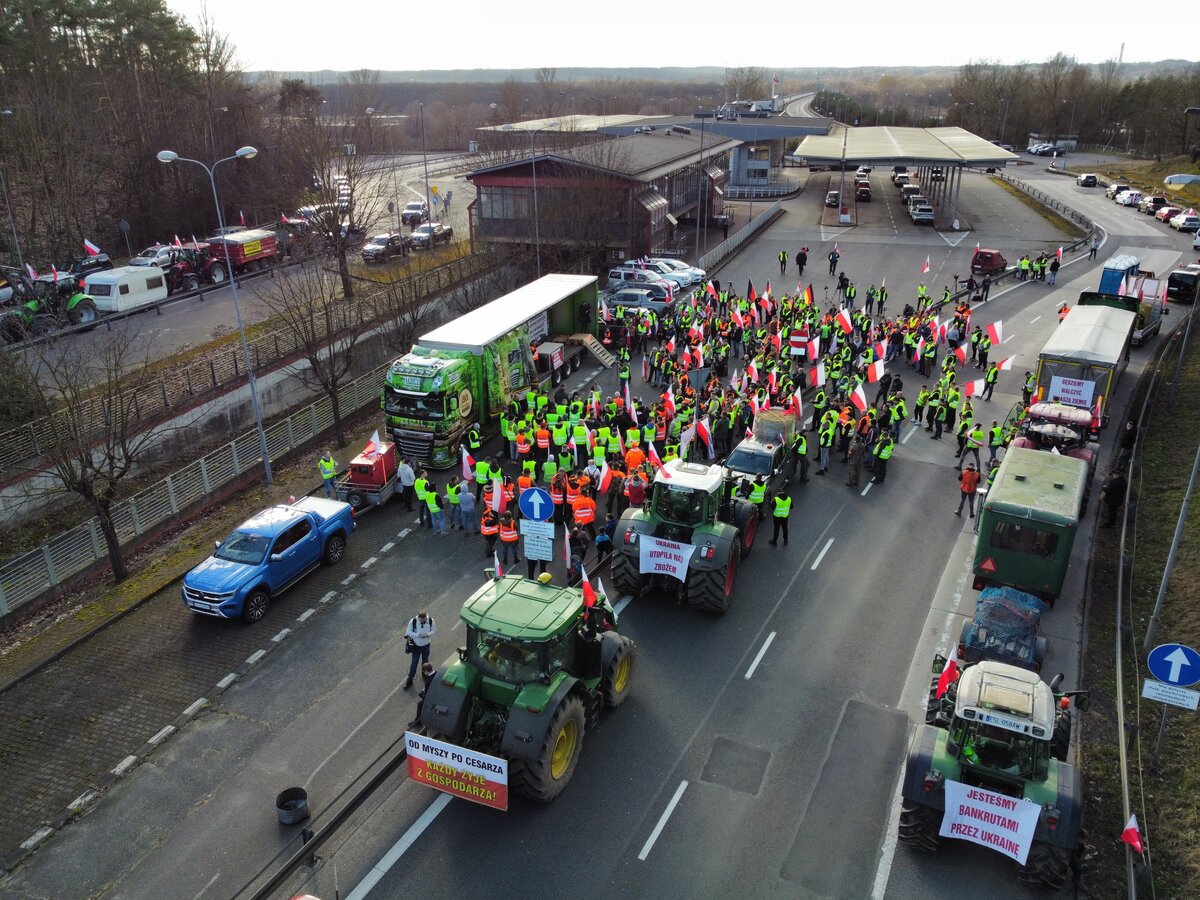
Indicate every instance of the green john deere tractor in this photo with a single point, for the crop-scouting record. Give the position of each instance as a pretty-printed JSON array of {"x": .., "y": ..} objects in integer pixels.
[
  {"x": 690, "y": 504},
  {"x": 1001, "y": 728},
  {"x": 538, "y": 667}
]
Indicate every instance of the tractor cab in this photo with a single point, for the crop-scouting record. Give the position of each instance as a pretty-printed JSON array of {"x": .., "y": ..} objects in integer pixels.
[{"x": 685, "y": 496}]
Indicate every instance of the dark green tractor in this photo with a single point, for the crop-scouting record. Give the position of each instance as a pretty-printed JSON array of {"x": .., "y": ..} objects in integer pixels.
[{"x": 538, "y": 667}]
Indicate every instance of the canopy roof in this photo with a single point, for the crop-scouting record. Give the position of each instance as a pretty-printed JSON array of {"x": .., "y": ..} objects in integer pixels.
[{"x": 888, "y": 144}]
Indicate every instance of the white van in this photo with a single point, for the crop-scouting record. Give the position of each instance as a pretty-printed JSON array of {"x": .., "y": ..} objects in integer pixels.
[{"x": 126, "y": 287}]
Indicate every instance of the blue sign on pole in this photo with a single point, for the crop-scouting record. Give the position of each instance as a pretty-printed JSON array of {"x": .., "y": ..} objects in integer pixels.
[
  {"x": 536, "y": 504},
  {"x": 1174, "y": 664}
]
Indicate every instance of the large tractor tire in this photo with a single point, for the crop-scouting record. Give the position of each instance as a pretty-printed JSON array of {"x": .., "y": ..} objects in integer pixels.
[
  {"x": 919, "y": 826},
  {"x": 626, "y": 577},
  {"x": 218, "y": 274},
  {"x": 933, "y": 703},
  {"x": 544, "y": 778},
  {"x": 1046, "y": 866},
  {"x": 712, "y": 591},
  {"x": 83, "y": 313},
  {"x": 619, "y": 675},
  {"x": 1060, "y": 741},
  {"x": 745, "y": 519}
]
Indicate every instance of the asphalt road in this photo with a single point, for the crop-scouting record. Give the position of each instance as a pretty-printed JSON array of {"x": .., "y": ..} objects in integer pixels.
[{"x": 787, "y": 718}]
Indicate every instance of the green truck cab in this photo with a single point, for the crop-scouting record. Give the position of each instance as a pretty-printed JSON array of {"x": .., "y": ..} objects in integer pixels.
[
  {"x": 538, "y": 667},
  {"x": 471, "y": 368},
  {"x": 1124, "y": 284},
  {"x": 1029, "y": 521}
]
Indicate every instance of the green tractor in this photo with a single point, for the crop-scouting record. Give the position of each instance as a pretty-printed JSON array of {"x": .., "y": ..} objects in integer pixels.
[
  {"x": 538, "y": 667},
  {"x": 31, "y": 309},
  {"x": 692, "y": 506},
  {"x": 1001, "y": 728}
]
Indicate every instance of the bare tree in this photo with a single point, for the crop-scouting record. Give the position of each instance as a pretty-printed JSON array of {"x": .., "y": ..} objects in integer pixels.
[
  {"x": 91, "y": 389},
  {"x": 309, "y": 303},
  {"x": 747, "y": 83}
]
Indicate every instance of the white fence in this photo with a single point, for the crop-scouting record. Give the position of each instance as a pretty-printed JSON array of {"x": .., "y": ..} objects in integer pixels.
[{"x": 26, "y": 577}]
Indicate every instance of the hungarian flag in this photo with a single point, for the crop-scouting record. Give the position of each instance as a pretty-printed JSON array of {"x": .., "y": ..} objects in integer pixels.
[
  {"x": 750, "y": 295},
  {"x": 92, "y": 249},
  {"x": 1005, "y": 364},
  {"x": 925, "y": 268},
  {"x": 973, "y": 388},
  {"x": 31, "y": 272},
  {"x": 816, "y": 375},
  {"x": 496, "y": 557},
  {"x": 498, "y": 500},
  {"x": 875, "y": 371},
  {"x": 1058, "y": 254},
  {"x": 859, "y": 399},
  {"x": 372, "y": 447},
  {"x": 995, "y": 331},
  {"x": 605, "y": 478},
  {"x": 242, "y": 217},
  {"x": 752, "y": 371},
  {"x": 712, "y": 291},
  {"x": 843, "y": 320},
  {"x": 468, "y": 465},
  {"x": 656, "y": 462},
  {"x": 961, "y": 352},
  {"x": 1132, "y": 835},
  {"x": 704, "y": 431},
  {"x": 589, "y": 595},
  {"x": 949, "y": 672}
]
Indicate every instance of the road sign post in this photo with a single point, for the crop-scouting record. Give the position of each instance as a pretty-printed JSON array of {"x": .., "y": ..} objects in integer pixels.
[
  {"x": 1175, "y": 667},
  {"x": 536, "y": 504}
]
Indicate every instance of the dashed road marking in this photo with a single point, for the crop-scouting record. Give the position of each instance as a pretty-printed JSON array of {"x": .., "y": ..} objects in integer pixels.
[
  {"x": 368, "y": 562},
  {"x": 349, "y": 579},
  {"x": 381, "y": 868},
  {"x": 1034, "y": 319},
  {"x": 37, "y": 837},
  {"x": 761, "y": 653},
  {"x": 195, "y": 707},
  {"x": 124, "y": 765},
  {"x": 329, "y": 595},
  {"x": 306, "y": 615},
  {"x": 867, "y": 488},
  {"x": 82, "y": 800},
  {"x": 388, "y": 547},
  {"x": 165, "y": 733},
  {"x": 622, "y": 603},
  {"x": 1006, "y": 340},
  {"x": 915, "y": 429},
  {"x": 662, "y": 821},
  {"x": 405, "y": 533},
  {"x": 227, "y": 680},
  {"x": 821, "y": 555},
  {"x": 255, "y": 657},
  {"x": 279, "y": 637}
]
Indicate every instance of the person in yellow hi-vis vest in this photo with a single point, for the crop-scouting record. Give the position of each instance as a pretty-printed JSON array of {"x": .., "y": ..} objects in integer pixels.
[{"x": 327, "y": 466}]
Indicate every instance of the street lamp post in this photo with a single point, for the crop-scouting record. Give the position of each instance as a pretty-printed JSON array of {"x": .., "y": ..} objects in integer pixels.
[
  {"x": 170, "y": 156},
  {"x": 537, "y": 232},
  {"x": 1004, "y": 121},
  {"x": 1069, "y": 128},
  {"x": 12, "y": 222},
  {"x": 425, "y": 161},
  {"x": 212, "y": 135},
  {"x": 391, "y": 165}
]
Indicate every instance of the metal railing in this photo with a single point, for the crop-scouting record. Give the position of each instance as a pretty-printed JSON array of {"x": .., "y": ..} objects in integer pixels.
[
  {"x": 217, "y": 369},
  {"x": 28, "y": 576},
  {"x": 755, "y": 191},
  {"x": 728, "y": 247}
]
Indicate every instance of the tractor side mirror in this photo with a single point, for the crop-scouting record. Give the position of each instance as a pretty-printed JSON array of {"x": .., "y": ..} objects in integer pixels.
[
  {"x": 1082, "y": 700},
  {"x": 939, "y": 663}
]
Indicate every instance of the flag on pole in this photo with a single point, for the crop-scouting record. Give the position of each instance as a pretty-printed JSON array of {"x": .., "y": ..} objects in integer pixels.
[
  {"x": 949, "y": 672},
  {"x": 995, "y": 331},
  {"x": 843, "y": 320},
  {"x": 973, "y": 388},
  {"x": 698, "y": 355},
  {"x": 875, "y": 371},
  {"x": 669, "y": 346},
  {"x": 498, "y": 501},
  {"x": 752, "y": 371},
  {"x": 92, "y": 249},
  {"x": 372, "y": 448},
  {"x": 567, "y": 548},
  {"x": 605, "y": 314},
  {"x": 31, "y": 272},
  {"x": 920, "y": 349},
  {"x": 814, "y": 347},
  {"x": 1058, "y": 254},
  {"x": 178, "y": 242},
  {"x": 737, "y": 319},
  {"x": 835, "y": 248},
  {"x": 1132, "y": 835},
  {"x": 704, "y": 430},
  {"x": 629, "y": 405},
  {"x": 750, "y": 295},
  {"x": 669, "y": 402},
  {"x": 712, "y": 291},
  {"x": 468, "y": 465},
  {"x": 1005, "y": 364},
  {"x": 977, "y": 246},
  {"x": 808, "y": 295},
  {"x": 283, "y": 218},
  {"x": 605, "y": 477},
  {"x": 925, "y": 268},
  {"x": 496, "y": 557},
  {"x": 816, "y": 375},
  {"x": 859, "y": 398},
  {"x": 589, "y": 593},
  {"x": 241, "y": 217},
  {"x": 685, "y": 439},
  {"x": 961, "y": 352},
  {"x": 796, "y": 403},
  {"x": 656, "y": 462}
]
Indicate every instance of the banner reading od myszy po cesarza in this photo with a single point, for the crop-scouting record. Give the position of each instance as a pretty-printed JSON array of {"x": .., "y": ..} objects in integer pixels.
[{"x": 458, "y": 771}]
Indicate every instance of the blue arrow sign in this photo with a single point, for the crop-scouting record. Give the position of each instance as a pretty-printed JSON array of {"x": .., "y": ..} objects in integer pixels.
[
  {"x": 1174, "y": 664},
  {"x": 536, "y": 504}
]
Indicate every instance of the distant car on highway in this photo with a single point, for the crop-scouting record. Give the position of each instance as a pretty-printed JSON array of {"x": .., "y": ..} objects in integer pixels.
[
  {"x": 1087, "y": 179},
  {"x": 1185, "y": 222},
  {"x": 1167, "y": 213}
]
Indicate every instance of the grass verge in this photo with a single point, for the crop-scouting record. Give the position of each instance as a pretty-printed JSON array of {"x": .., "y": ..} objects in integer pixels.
[
  {"x": 1147, "y": 176},
  {"x": 1066, "y": 226},
  {"x": 1164, "y": 795}
]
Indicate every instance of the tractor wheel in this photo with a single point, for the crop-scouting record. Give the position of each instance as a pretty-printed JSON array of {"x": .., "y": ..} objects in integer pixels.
[
  {"x": 626, "y": 577},
  {"x": 544, "y": 778},
  {"x": 933, "y": 704},
  {"x": 1060, "y": 742},
  {"x": 745, "y": 518},
  {"x": 919, "y": 826},
  {"x": 191, "y": 284},
  {"x": 617, "y": 677},
  {"x": 217, "y": 275},
  {"x": 83, "y": 312},
  {"x": 711, "y": 591},
  {"x": 1047, "y": 866}
]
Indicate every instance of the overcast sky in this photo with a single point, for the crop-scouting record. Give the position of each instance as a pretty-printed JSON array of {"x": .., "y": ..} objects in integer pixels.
[{"x": 305, "y": 35}]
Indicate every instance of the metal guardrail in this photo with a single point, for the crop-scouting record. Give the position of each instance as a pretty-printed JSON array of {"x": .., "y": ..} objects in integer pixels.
[
  {"x": 26, "y": 577},
  {"x": 754, "y": 192},
  {"x": 177, "y": 385},
  {"x": 726, "y": 248}
]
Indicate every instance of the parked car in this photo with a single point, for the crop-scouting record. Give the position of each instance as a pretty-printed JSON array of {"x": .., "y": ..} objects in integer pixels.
[
  {"x": 681, "y": 279},
  {"x": 75, "y": 270},
  {"x": 1167, "y": 213},
  {"x": 1196, "y": 240},
  {"x": 862, "y": 192},
  {"x": 833, "y": 199},
  {"x": 1185, "y": 222},
  {"x": 988, "y": 261},
  {"x": 897, "y": 171},
  {"x": 430, "y": 235},
  {"x": 937, "y": 173},
  {"x": 414, "y": 213},
  {"x": 266, "y": 555},
  {"x": 1129, "y": 198},
  {"x": 640, "y": 298},
  {"x": 909, "y": 190},
  {"x": 384, "y": 246},
  {"x": 634, "y": 277},
  {"x": 863, "y": 170},
  {"x": 900, "y": 179},
  {"x": 1115, "y": 188},
  {"x": 158, "y": 255},
  {"x": 921, "y": 214},
  {"x": 699, "y": 276},
  {"x": 1087, "y": 180},
  {"x": 1151, "y": 204}
]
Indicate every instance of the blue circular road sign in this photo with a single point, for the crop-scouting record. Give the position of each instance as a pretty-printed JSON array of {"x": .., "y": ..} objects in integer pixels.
[
  {"x": 536, "y": 504},
  {"x": 1174, "y": 664}
]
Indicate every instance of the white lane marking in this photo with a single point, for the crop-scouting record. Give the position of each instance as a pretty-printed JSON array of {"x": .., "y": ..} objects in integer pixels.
[
  {"x": 279, "y": 637},
  {"x": 368, "y": 562},
  {"x": 1034, "y": 319},
  {"x": 227, "y": 680},
  {"x": 306, "y": 615},
  {"x": 388, "y": 547},
  {"x": 915, "y": 429},
  {"x": 124, "y": 765},
  {"x": 401, "y": 846},
  {"x": 195, "y": 707},
  {"x": 338, "y": 749},
  {"x": 884, "y": 872},
  {"x": 867, "y": 488},
  {"x": 761, "y": 653},
  {"x": 1006, "y": 340},
  {"x": 622, "y": 603},
  {"x": 255, "y": 657},
  {"x": 662, "y": 821},
  {"x": 329, "y": 595},
  {"x": 821, "y": 555},
  {"x": 211, "y": 882},
  {"x": 346, "y": 582},
  {"x": 166, "y": 732},
  {"x": 404, "y": 533},
  {"x": 82, "y": 800},
  {"x": 37, "y": 837}
]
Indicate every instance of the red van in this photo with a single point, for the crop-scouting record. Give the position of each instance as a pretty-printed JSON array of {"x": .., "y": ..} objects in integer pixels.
[{"x": 987, "y": 262}]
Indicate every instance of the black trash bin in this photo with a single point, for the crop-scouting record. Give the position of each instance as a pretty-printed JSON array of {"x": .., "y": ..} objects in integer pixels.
[{"x": 291, "y": 805}]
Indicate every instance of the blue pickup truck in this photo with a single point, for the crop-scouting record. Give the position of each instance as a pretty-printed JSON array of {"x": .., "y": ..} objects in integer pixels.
[{"x": 266, "y": 555}]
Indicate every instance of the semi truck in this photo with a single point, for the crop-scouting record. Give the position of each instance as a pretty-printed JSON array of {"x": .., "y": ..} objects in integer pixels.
[
  {"x": 470, "y": 369},
  {"x": 1028, "y": 522},
  {"x": 1124, "y": 284},
  {"x": 1083, "y": 360}
]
